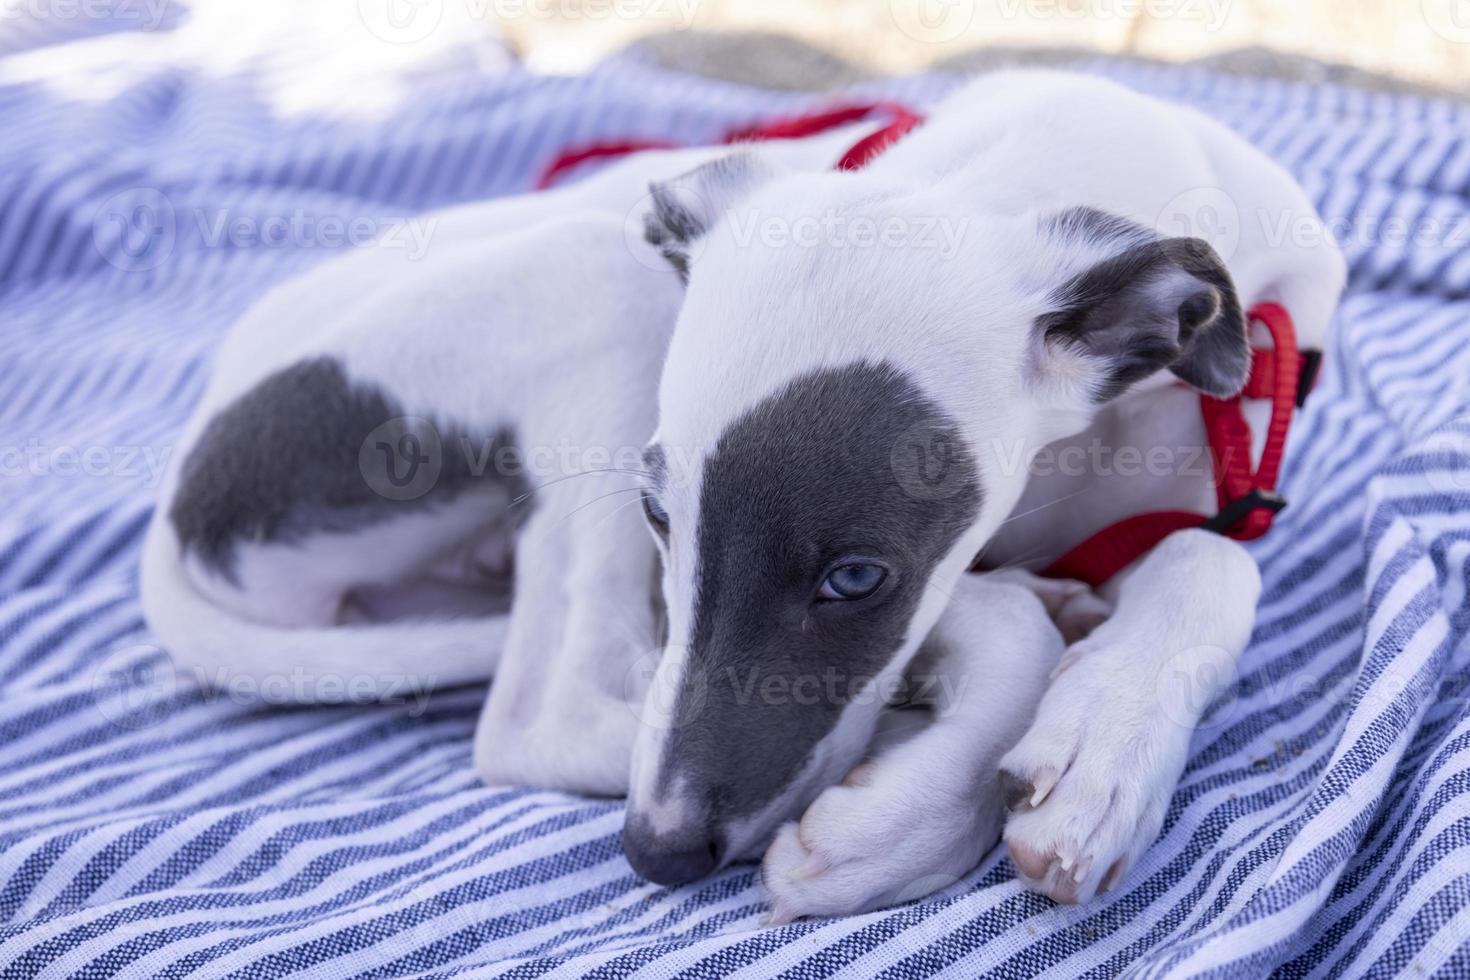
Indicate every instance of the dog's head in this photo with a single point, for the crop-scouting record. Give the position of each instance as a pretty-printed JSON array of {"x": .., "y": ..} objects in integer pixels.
[{"x": 848, "y": 409}]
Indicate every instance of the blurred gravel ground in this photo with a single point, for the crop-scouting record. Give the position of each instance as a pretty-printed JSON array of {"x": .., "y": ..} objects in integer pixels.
[
  {"x": 782, "y": 62},
  {"x": 1414, "y": 46}
]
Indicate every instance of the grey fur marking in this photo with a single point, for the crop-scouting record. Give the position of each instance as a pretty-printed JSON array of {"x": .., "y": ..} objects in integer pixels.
[
  {"x": 659, "y": 230},
  {"x": 1156, "y": 303},
  {"x": 657, "y": 464},
  {"x": 686, "y": 206},
  {"x": 307, "y": 451},
  {"x": 839, "y": 464}
]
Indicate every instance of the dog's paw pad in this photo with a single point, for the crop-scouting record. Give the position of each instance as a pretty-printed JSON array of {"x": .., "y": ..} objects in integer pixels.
[{"x": 1031, "y": 864}]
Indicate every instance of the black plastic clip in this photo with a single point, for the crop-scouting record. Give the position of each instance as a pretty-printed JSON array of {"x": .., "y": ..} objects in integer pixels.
[
  {"x": 1306, "y": 378},
  {"x": 1242, "y": 507}
]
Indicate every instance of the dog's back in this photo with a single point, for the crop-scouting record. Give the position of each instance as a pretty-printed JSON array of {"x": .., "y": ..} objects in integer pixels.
[{"x": 1048, "y": 140}]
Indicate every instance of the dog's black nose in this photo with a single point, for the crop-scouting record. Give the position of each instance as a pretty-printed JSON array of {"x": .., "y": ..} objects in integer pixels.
[{"x": 670, "y": 860}]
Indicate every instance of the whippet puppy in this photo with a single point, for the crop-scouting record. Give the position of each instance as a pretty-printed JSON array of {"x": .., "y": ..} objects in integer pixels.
[
  {"x": 868, "y": 400},
  {"x": 407, "y": 474}
]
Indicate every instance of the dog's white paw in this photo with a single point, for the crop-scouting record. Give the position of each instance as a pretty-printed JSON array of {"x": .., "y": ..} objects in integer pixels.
[
  {"x": 1089, "y": 784},
  {"x": 876, "y": 840}
]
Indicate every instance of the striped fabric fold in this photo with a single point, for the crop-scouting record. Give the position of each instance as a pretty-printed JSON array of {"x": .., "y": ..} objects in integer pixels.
[{"x": 1322, "y": 827}]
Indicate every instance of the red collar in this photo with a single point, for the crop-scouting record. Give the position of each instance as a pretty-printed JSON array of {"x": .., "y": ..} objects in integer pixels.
[
  {"x": 901, "y": 120},
  {"x": 1247, "y": 498}
]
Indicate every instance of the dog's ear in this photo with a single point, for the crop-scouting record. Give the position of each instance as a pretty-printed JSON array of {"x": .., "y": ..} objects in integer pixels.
[
  {"x": 1143, "y": 302},
  {"x": 684, "y": 208}
]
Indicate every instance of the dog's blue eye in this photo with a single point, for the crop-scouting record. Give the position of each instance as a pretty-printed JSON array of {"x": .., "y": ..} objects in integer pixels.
[
  {"x": 855, "y": 581},
  {"x": 655, "y": 512}
]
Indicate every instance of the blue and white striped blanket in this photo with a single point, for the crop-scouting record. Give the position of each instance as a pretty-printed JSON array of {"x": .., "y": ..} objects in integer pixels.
[{"x": 147, "y": 830}]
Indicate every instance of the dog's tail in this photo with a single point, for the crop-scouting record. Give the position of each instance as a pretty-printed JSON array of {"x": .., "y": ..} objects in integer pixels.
[{"x": 330, "y": 664}]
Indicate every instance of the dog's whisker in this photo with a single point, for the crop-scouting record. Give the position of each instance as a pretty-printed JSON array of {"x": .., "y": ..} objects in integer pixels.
[
  {"x": 948, "y": 595},
  {"x": 633, "y": 634},
  {"x": 1015, "y": 517},
  {"x": 603, "y": 471},
  {"x": 1018, "y": 559},
  {"x": 601, "y": 496},
  {"x": 1027, "y": 513}
]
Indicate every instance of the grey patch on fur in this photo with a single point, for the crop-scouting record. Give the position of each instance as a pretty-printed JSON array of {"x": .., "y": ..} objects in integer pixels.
[
  {"x": 1097, "y": 227},
  {"x": 686, "y": 206},
  {"x": 662, "y": 229},
  {"x": 818, "y": 473},
  {"x": 657, "y": 465},
  {"x": 307, "y": 450},
  {"x": 1156, "y": 303},
  {"x": 1016, "y": 791}
]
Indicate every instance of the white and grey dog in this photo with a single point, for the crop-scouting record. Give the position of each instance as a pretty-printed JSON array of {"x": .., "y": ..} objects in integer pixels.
[{"x": 814, "y": 557}]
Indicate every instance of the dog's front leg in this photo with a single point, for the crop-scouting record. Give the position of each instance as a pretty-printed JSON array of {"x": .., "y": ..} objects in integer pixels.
[
  {"x": 564, "y": 708},
  {"x": 922, "y": 811},
  {"x": 1089, "y": 784}
]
